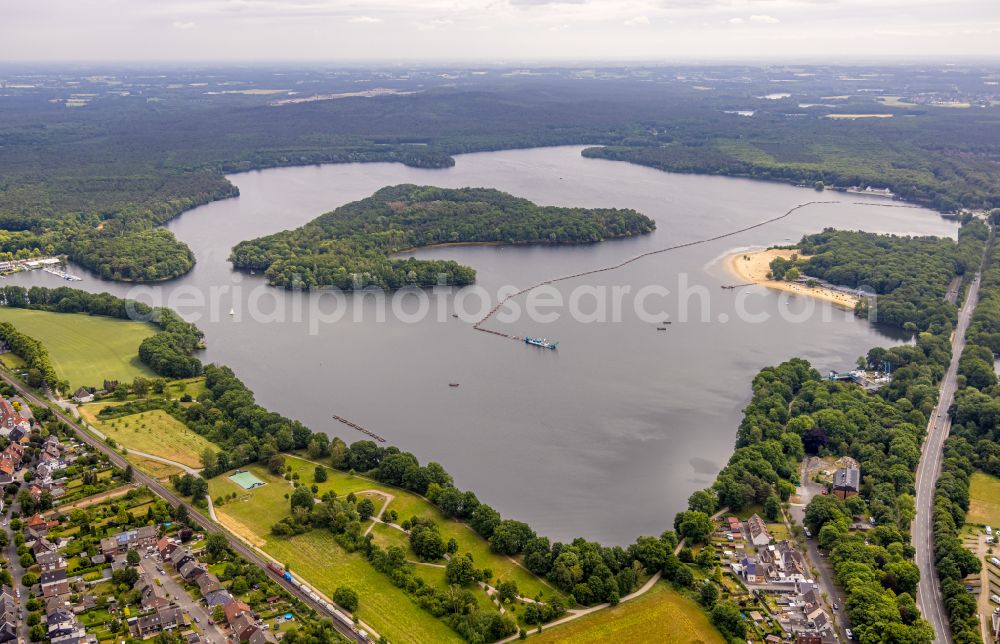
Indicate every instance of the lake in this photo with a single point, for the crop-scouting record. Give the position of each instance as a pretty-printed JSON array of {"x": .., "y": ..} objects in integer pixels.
[{"x": 605, "y": 437}]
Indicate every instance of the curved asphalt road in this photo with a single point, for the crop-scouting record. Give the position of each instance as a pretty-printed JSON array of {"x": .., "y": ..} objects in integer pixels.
[
  {"x": 157, "y": 488},
  {"x": 929, "y": 597}
]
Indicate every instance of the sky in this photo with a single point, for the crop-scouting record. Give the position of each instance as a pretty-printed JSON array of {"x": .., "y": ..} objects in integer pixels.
[{"x": 498, "y": 31}]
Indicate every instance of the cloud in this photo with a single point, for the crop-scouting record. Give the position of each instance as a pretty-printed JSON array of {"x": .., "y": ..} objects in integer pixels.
[
  {"x": 431, "y": 25},
  {"x": 637, "y": 21},
  {"x": 364, "y": 20},
  {"x": 562, "y": 27},
  {"x": 180, "y": 24},
  {"x": 736, "y": 21},
  {"x": 764, "y": 20}
]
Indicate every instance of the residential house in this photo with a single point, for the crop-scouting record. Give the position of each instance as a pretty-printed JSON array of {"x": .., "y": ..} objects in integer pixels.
[
  {"x": 8, "y": 615},
  {"x": 758, "y": 531},
  {"x": 9, "y": 417},
  {"x": 48, "y": 561},
  {"x": 808, "y": 638},
  {"x": 55, "y": 589},
  {"x": 748, "y": 569},
  {"x": 161, "y": 620},
  {"x": 52, "y": 576},
  {"x": 243, "y": 626},
  {"x": 846, "y": 482},
  {"x": 122, "y": 542},
  {"x": 783, "y": 562},
  {"x": 19, "y": 435},
  {"x": 235, "y": 608},
  {"x": 150, "y": 595},
  {"x": 178, "y": 557},
  {"x": 165, "y": 546},
  {"x": 819, "y": 620},
  {"x": 260, "y": 636},
  {"x": 208, "y": 583},
  {"x": 83, "y": 395},
  {"x": 191, "y": 570}
]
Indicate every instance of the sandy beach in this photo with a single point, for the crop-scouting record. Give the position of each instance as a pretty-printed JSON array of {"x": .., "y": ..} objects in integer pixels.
[{"x": 753, "y": 267}]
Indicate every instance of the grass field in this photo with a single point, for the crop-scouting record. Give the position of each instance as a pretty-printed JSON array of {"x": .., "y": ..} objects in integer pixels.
[
  {"x": 661, "y": 615},
  {"x": 407, "y": 505},
  {"x": 13, "y": 361},
  {"x": 156, "y": 469},
  {"x": 321, "y": 561},
  {"x": 154, "y": 432},
  {"x": 984, "y": 500},
  {"x": 85, "y": 349}
]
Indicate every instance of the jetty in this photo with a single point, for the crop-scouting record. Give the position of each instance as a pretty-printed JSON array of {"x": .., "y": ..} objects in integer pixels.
[
  {"x": 63, "y": 274},
  {"x": 359, "y": 428}
]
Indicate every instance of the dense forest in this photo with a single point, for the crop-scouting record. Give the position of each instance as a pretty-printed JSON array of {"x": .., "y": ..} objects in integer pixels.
[
  {"x": 974, "y": 444},
  {"x": 167, "y": 352},
  {"x": 93, "y": 182},
  {"x": 910, "y": 275},
  {"x": 352, "y": 246}
]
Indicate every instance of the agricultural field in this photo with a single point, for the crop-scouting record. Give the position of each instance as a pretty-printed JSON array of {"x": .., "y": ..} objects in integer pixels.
[
  {"x": 661, "y": 615},
  {"x": 154, "y": 432},
  {"x": 984, "y": 500},
  {"x": 85, "y": 349}
]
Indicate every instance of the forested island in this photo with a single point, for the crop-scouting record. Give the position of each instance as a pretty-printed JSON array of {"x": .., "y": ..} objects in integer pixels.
[{"x": 352, "y": 246}]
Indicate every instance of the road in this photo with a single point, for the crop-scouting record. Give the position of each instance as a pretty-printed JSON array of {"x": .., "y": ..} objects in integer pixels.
[
  {"x": 929, "y": 597},
  {"x": 16, "y": 572},
  {"x": 826, "y": 580},
  {"x": 176, "y": 593},
  {"x": 194, "y": 516}
]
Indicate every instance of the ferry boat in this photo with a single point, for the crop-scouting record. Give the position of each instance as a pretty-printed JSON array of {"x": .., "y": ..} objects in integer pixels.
[{"x": 541, "y": 342}]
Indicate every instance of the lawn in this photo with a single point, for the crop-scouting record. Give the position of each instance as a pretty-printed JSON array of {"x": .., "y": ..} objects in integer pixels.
[
  {"x": 156, "y": 469},
  {"x": 85, "y": 349},
  {"x": 661, "y": 615},
  {"x": 984, "y": 500},
  {"x": 324, "y": 564},
  {"x": 13, "y": 361},
  {"x": 154, "y": 432},
  {"x": 407, "y": 505}
]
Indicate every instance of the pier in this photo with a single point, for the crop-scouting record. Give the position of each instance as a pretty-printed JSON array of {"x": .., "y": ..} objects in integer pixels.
[{"x": 359, "y": 428}]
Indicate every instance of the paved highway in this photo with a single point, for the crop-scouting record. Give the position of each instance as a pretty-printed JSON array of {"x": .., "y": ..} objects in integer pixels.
[
  {"x": 929, "y": 597},
  {"x": 157, "y": 488}
]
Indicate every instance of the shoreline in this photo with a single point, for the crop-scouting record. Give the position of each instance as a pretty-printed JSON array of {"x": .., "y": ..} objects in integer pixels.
[{"x": 753, "y": 266}]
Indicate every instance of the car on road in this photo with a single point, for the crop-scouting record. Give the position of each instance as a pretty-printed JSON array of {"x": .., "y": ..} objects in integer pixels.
[
  {"x": 849, "y": 633},
  {"x": 808, "y": 532}
]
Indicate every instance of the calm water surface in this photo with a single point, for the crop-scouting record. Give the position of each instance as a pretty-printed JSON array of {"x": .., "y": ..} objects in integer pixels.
[{"x": 604, "y": 438}]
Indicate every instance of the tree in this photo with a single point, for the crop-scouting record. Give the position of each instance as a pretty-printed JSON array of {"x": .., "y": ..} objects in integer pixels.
[
  {"x": 725, "y": 616},
  {"x": 772, "y": 508},
  {"x": 216, "y": 546},
  {"x": 694, "y": 526},
  {"x": 460, "y": 570},
  {"x": 427, "y": 542},
  {"x": 303, "y": 498},
  {"x": 507, "y": 591},
  {"x": 366, "y": 509},
  {"x": 509, "y": 537},
  {"x": 276, "y": 464},
  {"x": 132, "y": 557},
  {"x": 346, "y": 598},
  {"x": 708, "y": 594},
  {"x": 209, "y": 460},
  {"x": 319, "y": 475}
]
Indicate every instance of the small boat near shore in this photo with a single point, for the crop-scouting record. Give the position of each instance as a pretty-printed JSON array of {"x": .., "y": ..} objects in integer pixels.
[{"x": 453, "y": 384}]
